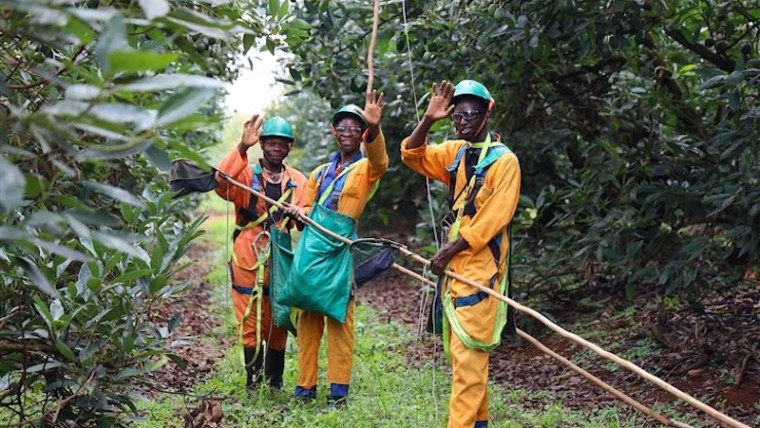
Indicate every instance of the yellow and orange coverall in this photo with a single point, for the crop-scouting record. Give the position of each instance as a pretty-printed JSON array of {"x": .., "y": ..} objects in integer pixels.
[
  {"x": 357, "y": 189},
  {"x": 496, "y": 203}
]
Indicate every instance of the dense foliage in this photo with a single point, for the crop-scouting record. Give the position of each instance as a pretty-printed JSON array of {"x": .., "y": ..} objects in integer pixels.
[
  {"x": 636, "y": 123},
  {"x": 96, "y": 98}
]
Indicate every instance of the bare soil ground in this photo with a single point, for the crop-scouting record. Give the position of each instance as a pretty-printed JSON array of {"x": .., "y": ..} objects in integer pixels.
[{"x": 713, "y": 353}]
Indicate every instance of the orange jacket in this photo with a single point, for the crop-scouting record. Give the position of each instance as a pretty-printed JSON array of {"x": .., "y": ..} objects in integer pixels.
[
  {"x": 237, "y": 167},
  {"x": 359, "y": 182},
  {"x": 496, "y": 203}
]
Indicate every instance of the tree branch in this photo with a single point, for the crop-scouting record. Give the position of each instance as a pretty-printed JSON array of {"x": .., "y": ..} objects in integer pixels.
[{"x": 726, "y": 64}]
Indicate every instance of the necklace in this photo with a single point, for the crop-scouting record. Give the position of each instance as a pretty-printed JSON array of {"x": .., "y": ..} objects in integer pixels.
[{"x": 273, "y": 177}]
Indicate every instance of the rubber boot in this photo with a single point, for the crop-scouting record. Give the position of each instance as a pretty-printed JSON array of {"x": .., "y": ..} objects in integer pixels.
[
  {"x": 274, "y": 366},
  {"x": 338, "y": 395},
  {"x": 252, "y": 367}
]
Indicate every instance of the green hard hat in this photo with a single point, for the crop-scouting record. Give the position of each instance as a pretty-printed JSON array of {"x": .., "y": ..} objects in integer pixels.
[
  {"x": 277, "y": 127},
  {"x": 350, "y": 109},
  {"x": 472, "y": 87}
]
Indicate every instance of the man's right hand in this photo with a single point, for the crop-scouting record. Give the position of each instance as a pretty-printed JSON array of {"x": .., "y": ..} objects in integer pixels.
[
  {"x": 251, "y": 132},
  {"x": 440, "y": 106},
  {"x": 294, "y": 211}
]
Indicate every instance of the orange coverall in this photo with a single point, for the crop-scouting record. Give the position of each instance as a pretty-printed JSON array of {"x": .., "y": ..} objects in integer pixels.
[
  {"x": 496, "y": 203},
  {"x": 237, "y": 167}
]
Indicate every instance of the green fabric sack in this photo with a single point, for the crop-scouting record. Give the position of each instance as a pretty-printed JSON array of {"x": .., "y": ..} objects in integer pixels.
[
  {"x": 279, "y": 269},
  {"x": 320, "y": 279}
]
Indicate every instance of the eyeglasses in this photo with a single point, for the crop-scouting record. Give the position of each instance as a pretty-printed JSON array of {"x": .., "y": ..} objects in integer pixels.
[
  {"x": 348, "y": 130},
  {"x": 465, "y": 115}
]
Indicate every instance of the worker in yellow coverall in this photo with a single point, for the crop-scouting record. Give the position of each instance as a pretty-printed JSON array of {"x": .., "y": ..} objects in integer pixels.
[
  {"x": 344, "y": 184},
  {"x": 254, "y": 216},
  {"x": 483, "y": 176}
]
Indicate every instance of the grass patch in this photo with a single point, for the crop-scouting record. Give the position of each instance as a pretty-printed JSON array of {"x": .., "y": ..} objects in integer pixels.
[
  {"x": 386, "y": 391},
  {"x": 387, "y": 388}
]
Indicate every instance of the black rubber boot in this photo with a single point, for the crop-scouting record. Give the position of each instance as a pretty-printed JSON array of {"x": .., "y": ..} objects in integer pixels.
[
  {"x": 274, "y": 366},
  {"x": 252, "y": 367}
]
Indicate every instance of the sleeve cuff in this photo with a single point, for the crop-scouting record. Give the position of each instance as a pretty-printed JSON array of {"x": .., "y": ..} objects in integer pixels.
[
  {"x": 414, "y": 153},
  {"x": 379, "y": 136},
  {"x": 477, "y": 243}
]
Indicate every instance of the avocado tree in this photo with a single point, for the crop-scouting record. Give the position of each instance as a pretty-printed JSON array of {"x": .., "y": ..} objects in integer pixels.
[
  {"x": 96, "y": 98},
  {"x": 636, "y": 123}
]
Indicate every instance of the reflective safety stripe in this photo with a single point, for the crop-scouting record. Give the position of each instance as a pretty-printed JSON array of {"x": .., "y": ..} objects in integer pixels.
[
  {"x": 267, "y": 213},
  {"x": 451, "y": 322},
  {"x": 450, "y": 305},
  {"x": 339, "y": 181}
]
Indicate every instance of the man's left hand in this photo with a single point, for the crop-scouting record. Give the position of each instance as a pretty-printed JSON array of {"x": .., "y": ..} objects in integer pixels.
[{"x": 373, "y": 108}]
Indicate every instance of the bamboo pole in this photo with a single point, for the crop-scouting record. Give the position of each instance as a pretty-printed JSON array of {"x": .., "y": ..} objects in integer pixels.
[
  {"x": 609, "y": 388},
  {"x": 731, "y": 422}
]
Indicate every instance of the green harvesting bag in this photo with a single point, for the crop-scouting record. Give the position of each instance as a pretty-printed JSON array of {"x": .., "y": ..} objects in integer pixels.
[
  {"x": 321, "y": 275},
  {"x": 279, "y": 269}
]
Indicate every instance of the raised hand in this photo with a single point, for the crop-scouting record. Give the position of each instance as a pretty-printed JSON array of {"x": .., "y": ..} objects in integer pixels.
[
  {"x": 251, "y": 131},
  {"x": 373, "y": 108},
  {"x": 440, "y": 106}
]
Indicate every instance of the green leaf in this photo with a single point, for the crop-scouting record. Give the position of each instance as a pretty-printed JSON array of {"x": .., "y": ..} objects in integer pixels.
[
  {"x": 127, "y": 373},
  {"x": 159, "y": 158},
  {"x": 8, "y": 233},
  {"x": 131, "y": 275},
  {"x": 81, "y": 92},
  {"x": 184, "y": 103},
  {"x": 47, "y": 365},
  {"x": 121, "y": 113},
  {"x": 274, "y": 7},
  {"x": 87, "y": 352},
  {"x": 42, "y": 309},
  {"x": 187, "y": 47},
  {"x": 155, "y": 364},
  {"x": 12, "y": 185},
  {"x": 284, "y": 8},
  {"x": 64, "y": 350},
  {"x": 170, "y": 81},
  {"x": 248, "y": 41},
  {"x": 184, "y": 151},
  {"x": 56, "y": 309},
  {"x": 157, "y": 284},
  {"x": 37, "y": 278},
  {"x": 154, "y": 8},
  {"x": 131, "y": 61},
  {"x": 199, "y": 22},
  {"x": 114, "y": 193},
  {"x": 174, "y": 321},
  {"x": 113, "y": 38},
  {"x": 300, "y": 24},
  {"x": 67, "y": 252},
  {"x": 116, "y": 243}
]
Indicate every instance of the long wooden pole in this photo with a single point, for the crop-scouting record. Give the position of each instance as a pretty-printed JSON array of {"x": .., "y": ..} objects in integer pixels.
[
  {"x": 524, "y": 309},
  {"x": 372, "y": 44}
]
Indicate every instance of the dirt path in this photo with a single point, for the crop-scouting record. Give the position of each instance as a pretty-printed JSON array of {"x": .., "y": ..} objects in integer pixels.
[{"x": 696, "y": 352}]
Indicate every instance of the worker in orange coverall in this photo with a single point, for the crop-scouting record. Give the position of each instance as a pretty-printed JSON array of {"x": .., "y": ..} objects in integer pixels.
[
  {"x": 483, "y": 176},
  {"x": 351, "y": 127},
  {"x": 254, "y": 216}
]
